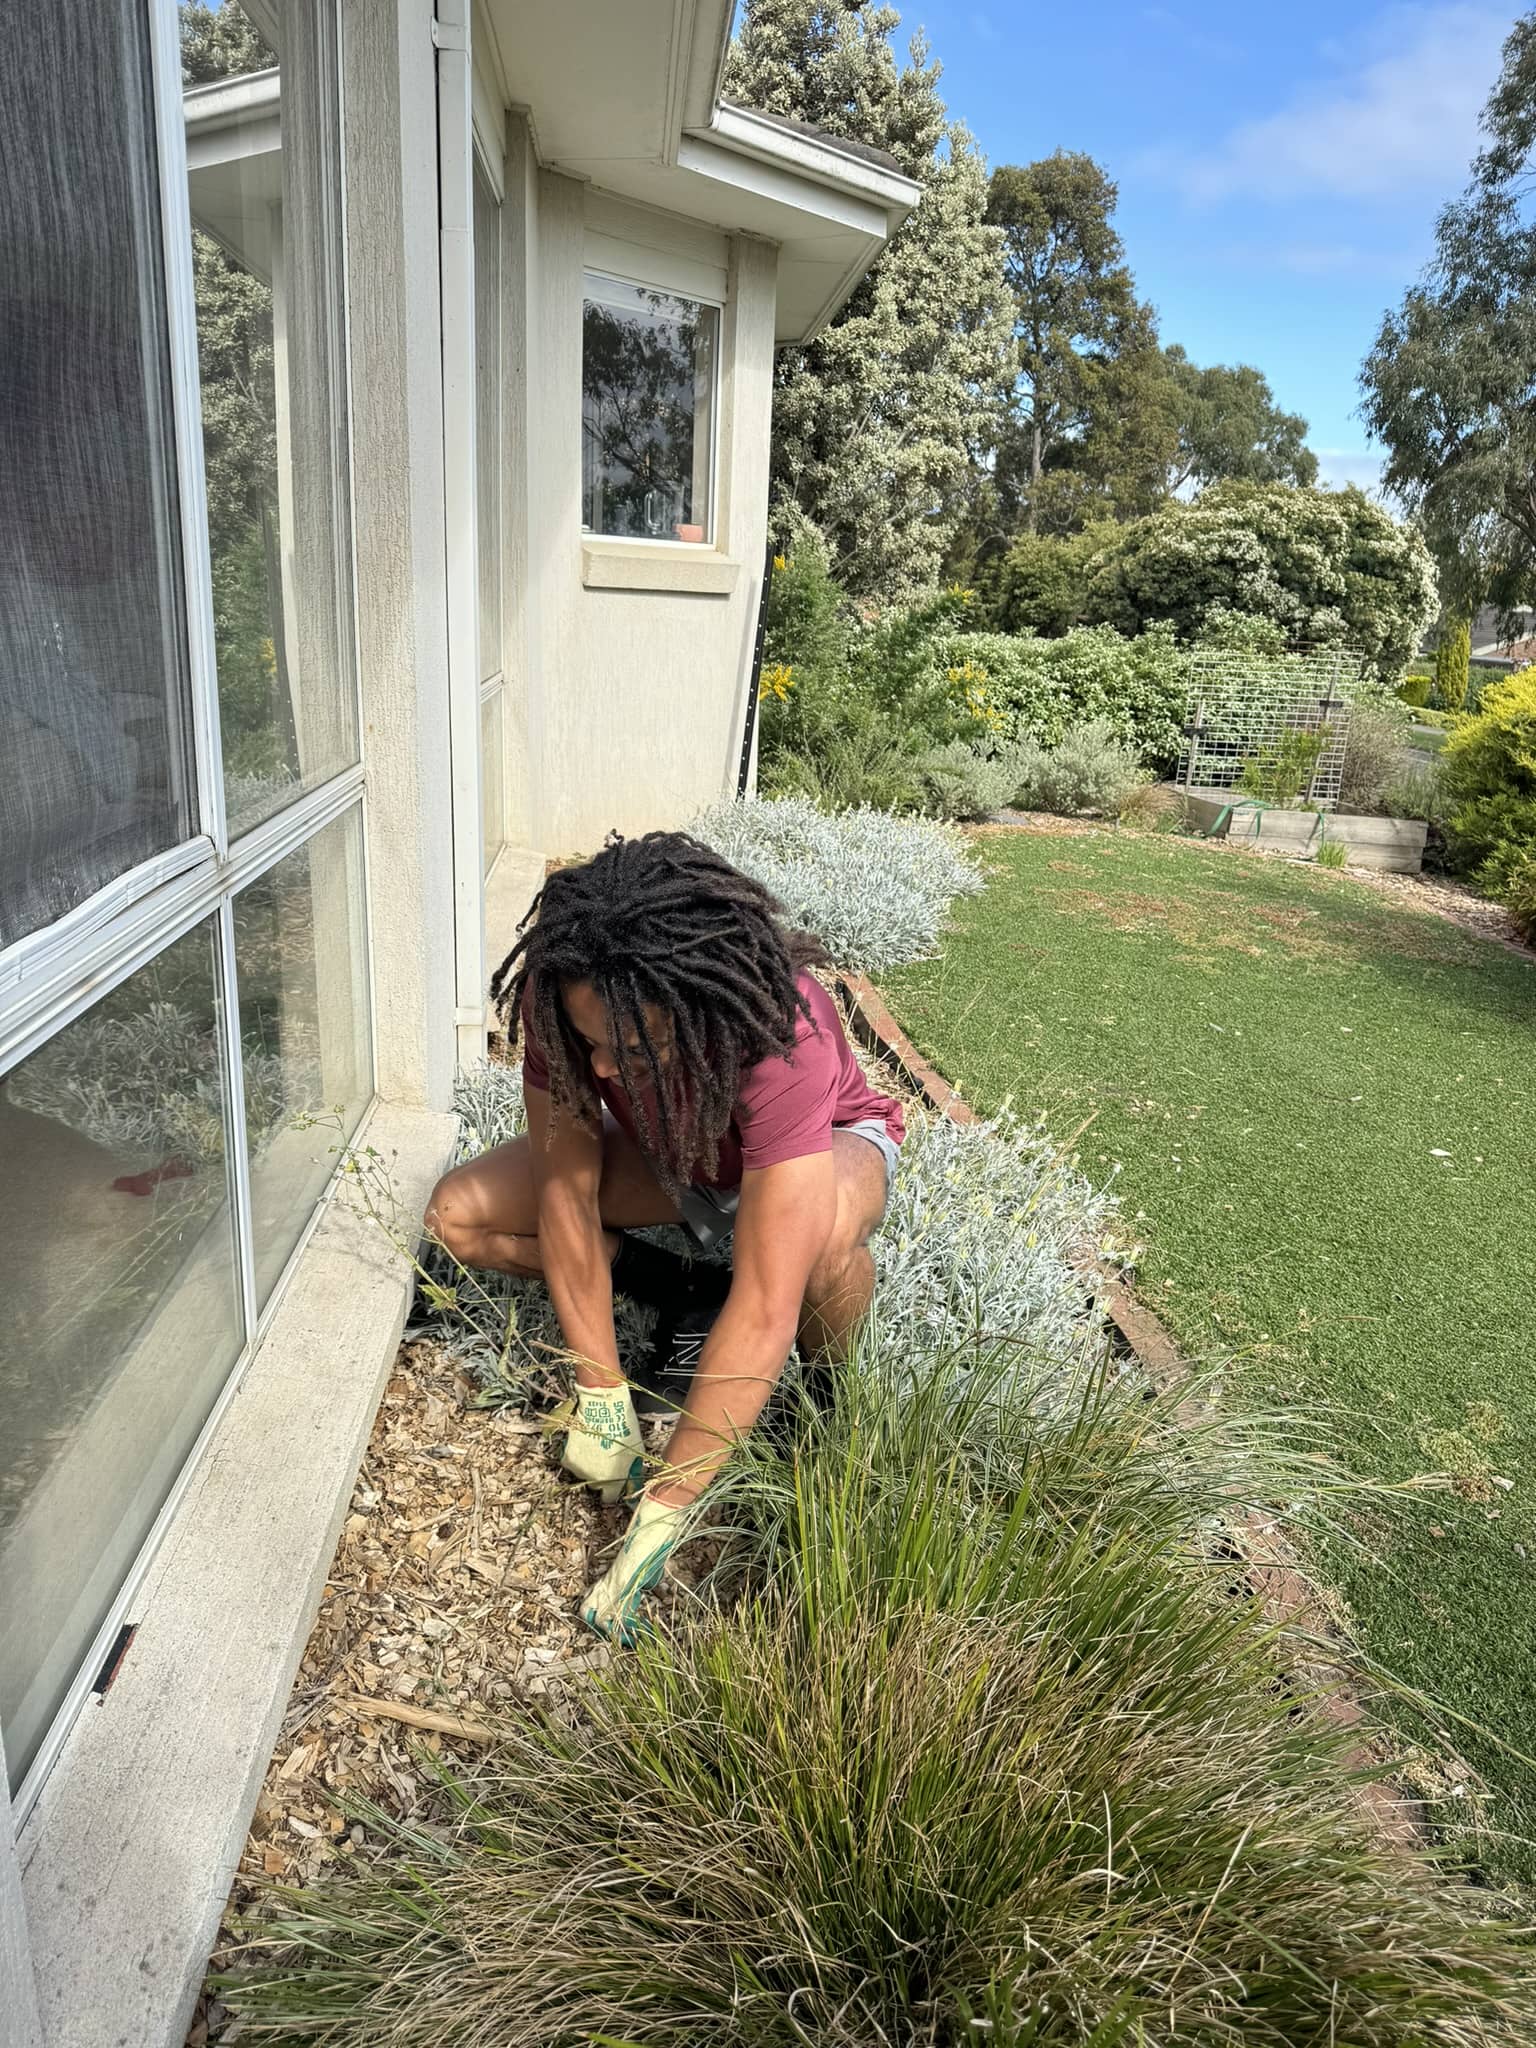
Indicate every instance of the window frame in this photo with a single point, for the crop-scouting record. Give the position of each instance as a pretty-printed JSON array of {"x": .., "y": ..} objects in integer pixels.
[
  {"x": 645, "y": 277},
  {"x": 51, "y": 977}
]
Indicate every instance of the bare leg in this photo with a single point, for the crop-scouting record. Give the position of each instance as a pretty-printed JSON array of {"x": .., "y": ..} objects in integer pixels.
[
  {"x": 486, "y": 1212},
  {"x": 842, "y": 1281}
]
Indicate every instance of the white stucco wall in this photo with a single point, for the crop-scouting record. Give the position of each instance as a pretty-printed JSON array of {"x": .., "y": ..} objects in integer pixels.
[{"x": 624, "y": 705}]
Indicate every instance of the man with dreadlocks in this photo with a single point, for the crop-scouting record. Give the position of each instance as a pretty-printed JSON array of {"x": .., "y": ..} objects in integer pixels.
[{"x": 680, "y": 1065}]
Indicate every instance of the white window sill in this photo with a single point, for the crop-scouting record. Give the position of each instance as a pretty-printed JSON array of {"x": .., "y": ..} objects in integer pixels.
[{"x": 657, "y": 565}]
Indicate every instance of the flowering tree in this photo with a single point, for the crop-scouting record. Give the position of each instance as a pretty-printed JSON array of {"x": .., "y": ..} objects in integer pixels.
[
  {"x": 1330, "y": 568},
  {"x": 876, "y": 422}
]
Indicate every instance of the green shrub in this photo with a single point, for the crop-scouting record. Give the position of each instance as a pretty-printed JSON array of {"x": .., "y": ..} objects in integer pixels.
[
  {"x": 1442, "y": 721},
  {"x": 1281, "y": 770},
  {"x": 1374, "y": 741},
  {"x": 1330, "y": 568},
  {"x": 1452, "y": 663},
  {"x": 1414, "y": 690},
  {"x": 1332, "y": 854},
  {"x": 1242, "y": 632},
  {"x": 1415, "y": 792},
  {"x": 1520, "y": 894},
  {"x": 847, "y": 705},
  {"x": 1091, "y": 770},
  {"x": 1038, "y": 586},
  {"x": 1043, "y": 687},
  {"x": 808, "y": 620},
  {"x": 987, "y": 1752},
  {"x": 1489, "y": 770},
  {"x": 857, "y": 763},
  {"x": 961, "y": 780}
]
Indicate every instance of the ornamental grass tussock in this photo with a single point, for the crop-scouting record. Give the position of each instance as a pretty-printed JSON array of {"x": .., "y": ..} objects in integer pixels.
[{"x": 985, "y": 1751}]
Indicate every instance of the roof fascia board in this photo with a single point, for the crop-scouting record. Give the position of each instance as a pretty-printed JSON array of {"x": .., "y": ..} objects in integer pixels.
[
  {"x": 742, "y": 132},
  {"x": 231, "y": 99},
  {"x": 846, "y": 208}
]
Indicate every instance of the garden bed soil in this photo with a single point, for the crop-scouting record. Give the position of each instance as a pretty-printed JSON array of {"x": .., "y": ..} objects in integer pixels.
[{"x": 451, "y": 1600}]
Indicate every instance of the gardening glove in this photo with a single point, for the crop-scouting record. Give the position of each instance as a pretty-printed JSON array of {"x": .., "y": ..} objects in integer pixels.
[
  {"x": 602, "y": 1447},
  {"x": 612, "y": 1604}
]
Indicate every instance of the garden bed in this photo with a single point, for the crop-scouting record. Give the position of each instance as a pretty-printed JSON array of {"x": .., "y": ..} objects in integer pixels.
[
  {"x": 804, "y": 1815},
  {"x": 1395, "y": 844}
]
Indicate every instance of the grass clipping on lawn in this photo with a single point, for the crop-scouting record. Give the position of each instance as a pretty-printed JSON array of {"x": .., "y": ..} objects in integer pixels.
[{"x": 986, "y": 1751}]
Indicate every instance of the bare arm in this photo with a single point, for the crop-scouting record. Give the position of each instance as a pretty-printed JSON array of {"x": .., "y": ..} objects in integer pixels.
[
  {"x": 786, "y": 1216},
  {"x": 567, "y": 1174}
]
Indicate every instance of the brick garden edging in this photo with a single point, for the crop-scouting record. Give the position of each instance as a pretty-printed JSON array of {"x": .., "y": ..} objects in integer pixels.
[{"x": 1270, "y": 1574}]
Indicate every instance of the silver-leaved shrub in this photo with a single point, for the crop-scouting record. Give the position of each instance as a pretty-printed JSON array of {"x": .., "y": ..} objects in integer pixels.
[
  {"x": 983, "y": 1241},
  {"x": 875, "y": 889}
]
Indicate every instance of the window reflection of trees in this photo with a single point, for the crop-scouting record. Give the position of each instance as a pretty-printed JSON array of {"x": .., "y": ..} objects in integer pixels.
[{"x": 644, "y": 375}]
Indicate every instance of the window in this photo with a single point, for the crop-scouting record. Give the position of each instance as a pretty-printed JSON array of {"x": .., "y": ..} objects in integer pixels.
[
  {"x": 95, "y": 701},
  {"x": 122, "y": 1306},
  {"x": 179, "y": 738},
  {"x": 263, "y": 187},
  {"x": 647, "y": 412},
  {"x": 303, "y": 1030}
]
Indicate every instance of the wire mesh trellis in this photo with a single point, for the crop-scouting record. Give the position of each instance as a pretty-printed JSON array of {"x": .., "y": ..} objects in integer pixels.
[{"x": 1254, "y": 719}]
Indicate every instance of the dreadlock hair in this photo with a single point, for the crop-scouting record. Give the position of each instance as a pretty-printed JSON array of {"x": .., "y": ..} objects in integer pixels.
[{"x": 660, "y": 920}]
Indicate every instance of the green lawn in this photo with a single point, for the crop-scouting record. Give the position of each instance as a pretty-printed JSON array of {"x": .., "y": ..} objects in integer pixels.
[{"x": 1324, "y": 1107}]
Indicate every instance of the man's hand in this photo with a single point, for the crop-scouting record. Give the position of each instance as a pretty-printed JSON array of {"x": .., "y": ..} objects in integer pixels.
[
  {"x": 611, "y": 1606},
  {"x": 603, "y": 1447}
]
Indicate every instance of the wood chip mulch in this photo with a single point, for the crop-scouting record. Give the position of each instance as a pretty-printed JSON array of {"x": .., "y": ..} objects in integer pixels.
[{"x": 450, "y": 1603}]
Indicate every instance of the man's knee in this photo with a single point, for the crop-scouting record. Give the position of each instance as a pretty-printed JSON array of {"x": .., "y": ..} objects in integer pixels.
[{"x": 451, "y": 1216}]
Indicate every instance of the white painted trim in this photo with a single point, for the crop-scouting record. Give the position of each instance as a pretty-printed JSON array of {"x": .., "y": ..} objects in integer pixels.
[
  {"x": 20, "y": 2024},
  {"x": 456, "y": 232},
  {"x": 102, "y": 951},
  {"x": 662, "y": 269},
  {"x": 785, "y": 185},
  {"x": 619, "y": 564},
  {"x": 186, "y": 400},
  {"x": 227, "y": 102},
  {"x": 489, "y": 123},
  {"x": 27, "y": 963},
  {"x": 238, "y": 1155},
  {"x": 814, "y": 159}
]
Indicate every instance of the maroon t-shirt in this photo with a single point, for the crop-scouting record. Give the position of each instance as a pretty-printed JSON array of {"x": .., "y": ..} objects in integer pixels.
[{"x": 788, "y": 1108}]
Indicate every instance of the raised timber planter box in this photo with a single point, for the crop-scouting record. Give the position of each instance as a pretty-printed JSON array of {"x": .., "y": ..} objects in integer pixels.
[{"x": 1393, "y": 843}]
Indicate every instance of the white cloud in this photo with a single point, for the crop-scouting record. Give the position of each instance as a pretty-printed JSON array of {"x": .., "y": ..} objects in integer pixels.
[
  {"x": 1317, "y": 259},
  {"x": 1402, "y": 118},
  {"x": 1339, "y": 466}
]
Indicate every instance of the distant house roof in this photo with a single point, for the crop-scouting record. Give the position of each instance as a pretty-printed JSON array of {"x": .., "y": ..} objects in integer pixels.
[{"x": 863, "y": 152}]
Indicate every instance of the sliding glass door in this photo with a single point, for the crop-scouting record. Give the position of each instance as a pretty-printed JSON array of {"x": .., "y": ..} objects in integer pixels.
[{"x": 183, "y": 973}]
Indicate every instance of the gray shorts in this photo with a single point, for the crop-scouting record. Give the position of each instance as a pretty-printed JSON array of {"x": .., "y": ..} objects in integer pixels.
[{"x": 709, "y": 1214}]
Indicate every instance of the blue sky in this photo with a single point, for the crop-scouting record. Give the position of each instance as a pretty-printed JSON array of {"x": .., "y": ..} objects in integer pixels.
[{"x": 1280, "y": 167}]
